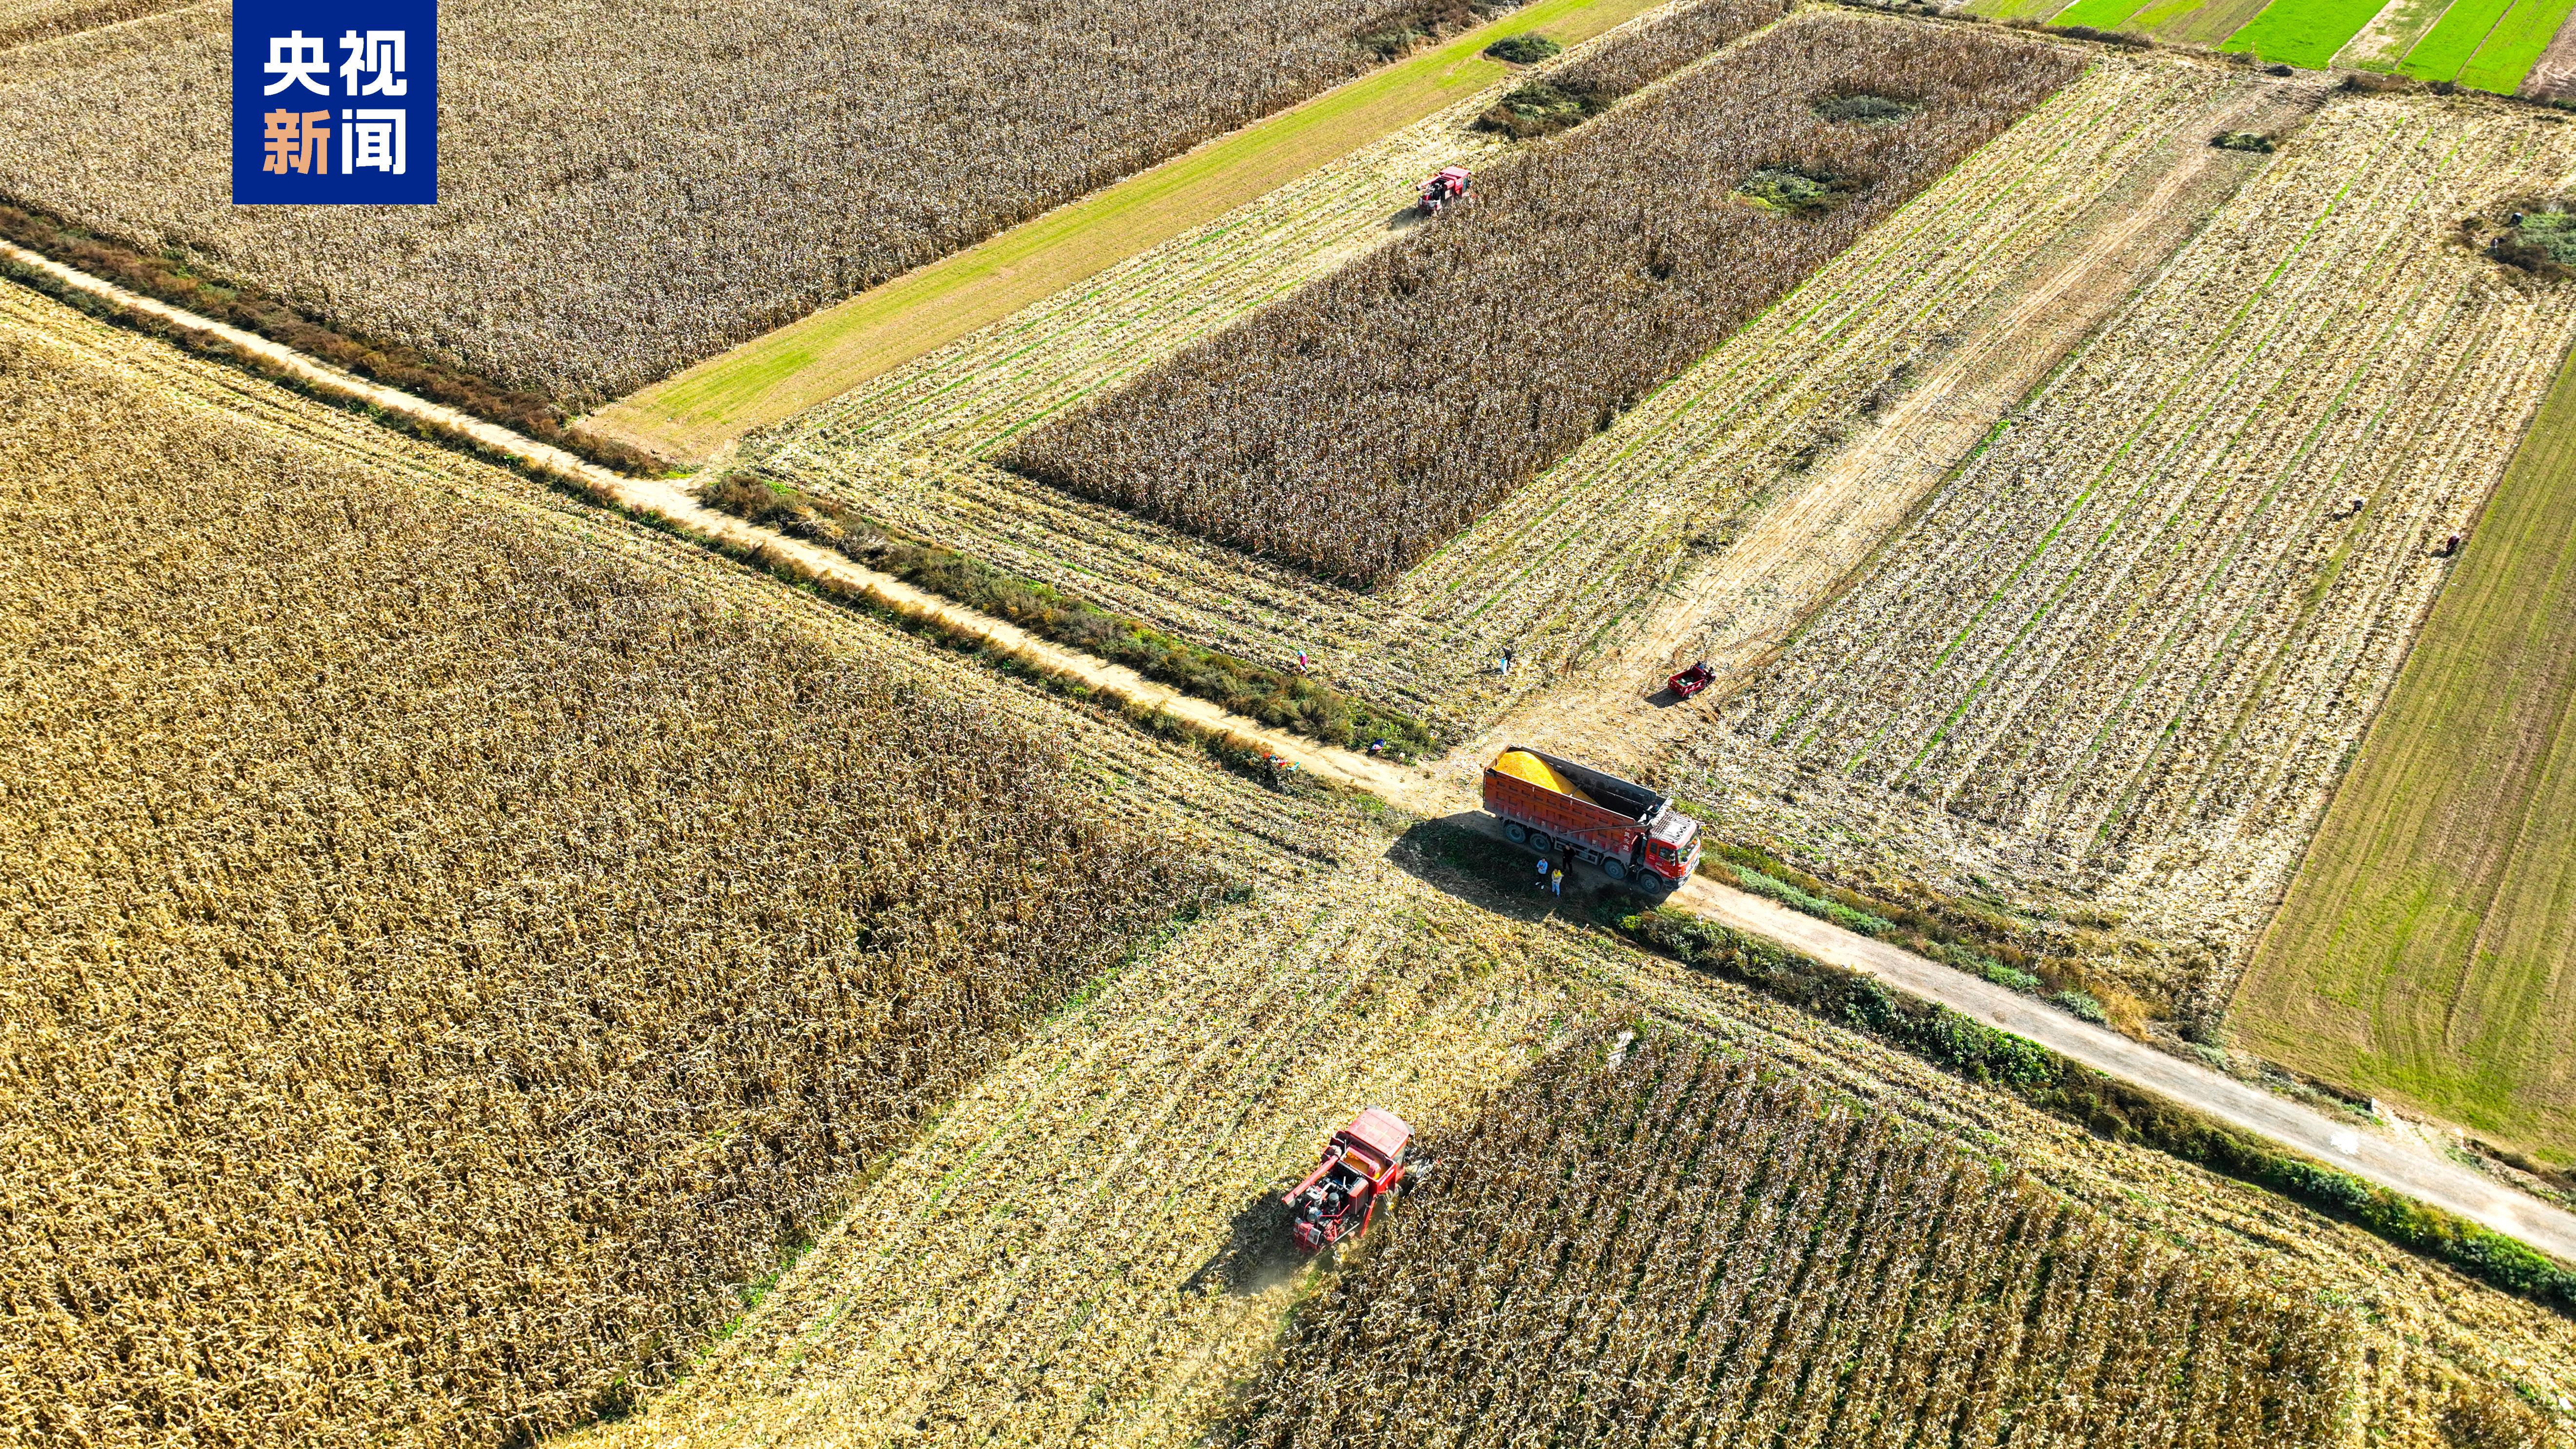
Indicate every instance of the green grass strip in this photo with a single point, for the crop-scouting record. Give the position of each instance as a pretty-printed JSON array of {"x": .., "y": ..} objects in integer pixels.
[
  {"x": 2463, "y": 28},
  {"x": 2514, "y": 46},
  {"x": 2305, "y": 33},
  {"x": 2100, "y": 14}
]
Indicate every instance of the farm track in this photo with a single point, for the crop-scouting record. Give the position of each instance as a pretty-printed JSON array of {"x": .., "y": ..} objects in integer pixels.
[
  {"x": 1545, "y": 574},
  {"x": 2126, "y": 650}
]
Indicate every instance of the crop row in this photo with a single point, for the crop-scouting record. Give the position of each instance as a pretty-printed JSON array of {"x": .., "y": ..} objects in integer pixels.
[
  {"x": 2127, "y": 649},
  {"x": 1676, "y": 1246},
  {"x": 1620, "y": 514},
  {"x": 1354, "y": 427},
  {"x": 1088, "y": 1247},
  {"x": 446, "y": 959},
  {"x": 622, "y": 193}
]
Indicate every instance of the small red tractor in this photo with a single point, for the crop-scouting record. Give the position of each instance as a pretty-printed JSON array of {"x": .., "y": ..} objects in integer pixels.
[
  {"x": 1449, "y": 188},
  {"x": 1691, "y": 681},
  {"x": 1362, "y": 1164}
]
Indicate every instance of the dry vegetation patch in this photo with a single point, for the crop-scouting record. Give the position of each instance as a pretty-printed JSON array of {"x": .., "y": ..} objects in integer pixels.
[
  {"x": 622, "y": 193},
  {"x": 1677, "y": 1245},
  {"x": 443, "y": 959},
  {"x": 1355, "y": 427}
]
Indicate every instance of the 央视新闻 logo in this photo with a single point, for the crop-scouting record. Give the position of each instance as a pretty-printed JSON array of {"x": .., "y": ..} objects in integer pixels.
[{"x": 335, "y": 104}]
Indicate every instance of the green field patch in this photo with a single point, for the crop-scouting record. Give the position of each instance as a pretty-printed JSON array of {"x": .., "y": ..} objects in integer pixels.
[
  {"x": 2304, "y": 33},
  {"x": 2426, "y": 952},
  {"x": 2514, "y": 46},
  {"x": 2463, "y": 28},
  {"x": 2016, "y": 9},
  {"x": 2103, "y": 14}
]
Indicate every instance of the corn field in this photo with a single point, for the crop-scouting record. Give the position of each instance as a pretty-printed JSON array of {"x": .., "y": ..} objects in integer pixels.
[
  {"x": 1678, "y": 1247},
  {"x": 626, "y": 189},
  {"x": 1356, "y": 426},
  {"x": 442, "y": 957}
]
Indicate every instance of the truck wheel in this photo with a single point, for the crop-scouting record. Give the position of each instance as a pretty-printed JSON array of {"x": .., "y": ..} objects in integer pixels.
[
  {"x": 1540, "y": 843},
  {"x": 1614, "y": 870},
  {"x": 1515, "y": 832}
]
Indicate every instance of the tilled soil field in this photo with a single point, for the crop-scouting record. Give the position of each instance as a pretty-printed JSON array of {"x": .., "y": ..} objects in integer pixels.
[
  {"x": 2119, "y": 662},
  {"x": 1590, "y": 543}
]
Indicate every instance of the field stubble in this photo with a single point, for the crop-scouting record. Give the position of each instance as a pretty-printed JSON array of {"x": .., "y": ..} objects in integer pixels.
[
  {"x": 2116, "y": 664},
  {"x": 1621, "y": 517},
  {"x": 1354, "y": 427},
  {"x": 1087, "y": 1249},
  {"x": 1716, "y": 1254}
]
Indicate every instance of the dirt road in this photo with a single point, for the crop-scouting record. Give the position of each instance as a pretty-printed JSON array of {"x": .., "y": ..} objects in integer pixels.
[{"x": 1449, "y": 789}]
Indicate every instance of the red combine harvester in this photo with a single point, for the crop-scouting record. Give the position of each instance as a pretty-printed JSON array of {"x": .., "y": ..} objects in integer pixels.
[
  {"x": 1362, "y": 1163},
  {"x": 1691, "y": 681},
  {"x": 1559, "y": 808},
  {"x": 1449, "y": 188}
]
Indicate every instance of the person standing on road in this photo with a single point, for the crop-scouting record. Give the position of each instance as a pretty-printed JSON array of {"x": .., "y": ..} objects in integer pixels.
[
  {"x": 1556, "y": 881},
  {"x": 1542, "y": 872}
]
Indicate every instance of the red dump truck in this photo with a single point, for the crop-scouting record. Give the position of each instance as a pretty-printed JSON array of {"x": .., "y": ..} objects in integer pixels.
[{"x": 1559, "y": 808}]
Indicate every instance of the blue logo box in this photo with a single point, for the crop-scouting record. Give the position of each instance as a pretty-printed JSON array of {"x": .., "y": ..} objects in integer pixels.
[{"x": 335, "y": 105}]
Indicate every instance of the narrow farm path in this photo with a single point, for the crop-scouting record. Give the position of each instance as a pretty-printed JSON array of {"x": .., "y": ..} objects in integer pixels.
[
  {"x": 819, "y": 357},
  {"x": 1449, "y": 789}
]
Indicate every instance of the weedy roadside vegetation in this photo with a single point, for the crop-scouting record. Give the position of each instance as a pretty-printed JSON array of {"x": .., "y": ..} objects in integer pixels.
[
  {"x": 1279, "y": 698},
  {"x": 837, "y": 146},
  {"x": 447, "y": 957},
  {"x": 1356, "y": 426},
  {"x": 1718, "y": 1254}
]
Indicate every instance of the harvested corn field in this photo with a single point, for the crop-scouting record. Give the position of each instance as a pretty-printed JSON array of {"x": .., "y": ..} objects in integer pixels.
[
  {"x": 2115, "y": 667},
  {"x": 445, "y": 960},
  {"x": 1090, "y": 1249},
  {"x": 700, "y": 179},
  {"x": 1719, "y": 1256},
  {"x": 1628, "y": 511},
  {"x": 1355, "y": 427}
]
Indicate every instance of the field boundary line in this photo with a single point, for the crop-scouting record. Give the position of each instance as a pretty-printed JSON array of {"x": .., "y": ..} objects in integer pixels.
[{"x": 2373, "y": 1156}]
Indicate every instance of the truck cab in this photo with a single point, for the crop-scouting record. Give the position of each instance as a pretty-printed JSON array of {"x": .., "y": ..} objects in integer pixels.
[{"x": 1671, "y": 847}]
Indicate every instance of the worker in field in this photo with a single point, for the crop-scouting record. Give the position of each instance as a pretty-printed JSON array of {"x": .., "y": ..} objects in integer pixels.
[
  {"x": 1542, "y": 872},
  {"x": 1556, "y": 881}
]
